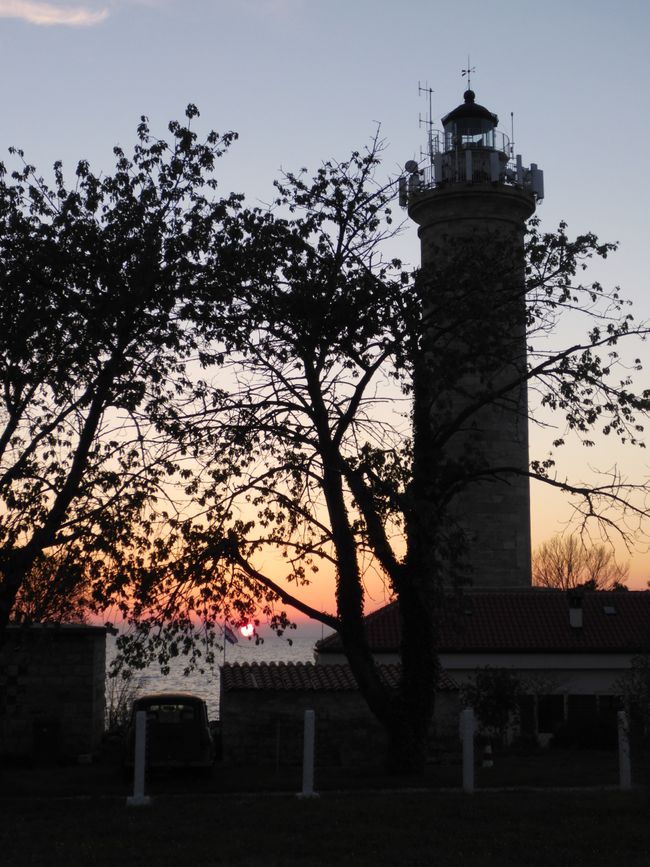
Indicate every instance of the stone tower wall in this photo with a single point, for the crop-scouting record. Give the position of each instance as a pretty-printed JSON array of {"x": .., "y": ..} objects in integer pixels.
[{"x": 462, "y": 225}]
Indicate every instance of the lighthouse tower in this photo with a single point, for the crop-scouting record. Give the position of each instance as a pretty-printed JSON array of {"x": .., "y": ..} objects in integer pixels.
[{"x": 471, "y": 201}]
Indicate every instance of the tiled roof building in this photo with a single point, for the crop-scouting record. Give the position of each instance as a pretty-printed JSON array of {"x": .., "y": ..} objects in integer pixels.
[
  {"x": 304, "y": 677},
  {"x": 524, "y": 621},
  {"x": 569, "y": 652}
]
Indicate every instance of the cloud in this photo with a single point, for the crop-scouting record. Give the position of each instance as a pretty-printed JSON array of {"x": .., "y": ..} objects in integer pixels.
[{"x": 51, "y": 14}]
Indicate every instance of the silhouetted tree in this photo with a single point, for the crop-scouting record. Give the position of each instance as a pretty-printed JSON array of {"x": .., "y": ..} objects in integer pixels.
[
  {"x": 209, "y": 405},
  {"x": 322, "y": 453},
  {"x": 53, "y": 591},
  {"x": 98, "y": 280},
  {"x": 566, "y": 562}
]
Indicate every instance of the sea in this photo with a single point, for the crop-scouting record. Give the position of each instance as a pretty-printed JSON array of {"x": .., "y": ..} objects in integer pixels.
[{"x": 206, "y": 684}]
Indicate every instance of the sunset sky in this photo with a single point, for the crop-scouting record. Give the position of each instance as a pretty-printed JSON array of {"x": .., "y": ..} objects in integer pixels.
[{"x": 307, "y": 80}]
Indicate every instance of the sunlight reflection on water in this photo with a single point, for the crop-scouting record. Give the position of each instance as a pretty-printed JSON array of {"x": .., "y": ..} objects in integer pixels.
[{"x": 207, "y": 684}]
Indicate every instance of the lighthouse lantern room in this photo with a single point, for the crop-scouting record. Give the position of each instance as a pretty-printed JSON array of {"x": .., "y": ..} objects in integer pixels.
[{"x": 470, "y": 150}]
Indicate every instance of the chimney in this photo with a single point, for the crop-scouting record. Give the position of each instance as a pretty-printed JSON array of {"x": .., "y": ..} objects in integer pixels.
[{"x": 575, "y": 610}]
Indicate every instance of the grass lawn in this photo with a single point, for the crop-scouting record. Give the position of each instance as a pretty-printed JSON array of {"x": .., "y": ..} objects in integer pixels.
[
  {"x": 75, "y": 816},
  {"x": 432, "y": 828},
  {"x": 555, "y": 768}
]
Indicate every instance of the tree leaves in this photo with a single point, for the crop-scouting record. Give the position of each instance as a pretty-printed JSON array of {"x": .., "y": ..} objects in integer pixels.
[{"x": 98, "y": 283}]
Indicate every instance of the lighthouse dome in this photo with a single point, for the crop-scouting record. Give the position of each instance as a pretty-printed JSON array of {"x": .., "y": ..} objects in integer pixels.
[{"x": 470, "y": 117}]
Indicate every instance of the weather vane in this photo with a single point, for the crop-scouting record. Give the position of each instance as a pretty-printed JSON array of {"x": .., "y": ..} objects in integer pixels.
[{"x": 468, "y": 72}]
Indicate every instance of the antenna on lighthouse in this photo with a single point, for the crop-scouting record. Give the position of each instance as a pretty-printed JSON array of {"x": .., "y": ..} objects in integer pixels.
[{"x": 429, "y": 120}]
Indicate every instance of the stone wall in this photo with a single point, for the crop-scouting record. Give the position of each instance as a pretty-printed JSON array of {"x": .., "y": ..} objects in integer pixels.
[
  {"x": 52, "y": 691},
  {"x": 265, "y": 727}
]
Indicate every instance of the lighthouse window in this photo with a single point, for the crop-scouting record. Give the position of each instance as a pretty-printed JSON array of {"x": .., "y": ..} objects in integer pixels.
[
  {"x": 469, "y": 134},
  {"x": 483, "y": 139}
]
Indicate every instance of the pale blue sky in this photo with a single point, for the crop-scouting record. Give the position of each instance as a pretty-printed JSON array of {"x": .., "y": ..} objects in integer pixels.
[{"x": 306, "y": 80}]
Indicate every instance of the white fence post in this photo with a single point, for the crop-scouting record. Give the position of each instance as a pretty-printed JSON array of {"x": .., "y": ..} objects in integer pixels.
[
  {"x": 308, "y": 756},
  {"x": 467, "y": 728},
  {"x": 139, "y": 799},
  {"x": 624, "y": 764}
]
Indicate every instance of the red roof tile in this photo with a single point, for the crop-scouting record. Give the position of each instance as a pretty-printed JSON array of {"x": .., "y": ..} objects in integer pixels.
[
  {"x": 303, "y": 676},
  {"x": 524, "y": 621}
]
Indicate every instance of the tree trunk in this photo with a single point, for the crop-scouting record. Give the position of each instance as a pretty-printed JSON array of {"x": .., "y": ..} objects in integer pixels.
[
  {"x": 11, "y": 579},
  {"x": 409, "y": 733},
  {"x": 420, "y": 586},
  {"x": 408, "y": 740}
]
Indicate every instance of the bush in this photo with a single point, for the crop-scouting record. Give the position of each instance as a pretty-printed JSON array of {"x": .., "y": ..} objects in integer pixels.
[
  {"x": 494, "y": 694},
  {"x": 121, "y": 692}
]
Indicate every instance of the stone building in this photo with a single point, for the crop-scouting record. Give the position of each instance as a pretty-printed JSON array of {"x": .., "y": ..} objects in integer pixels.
[
  {"x": 263, "y": 707},
  {"x": 52, "y": 680}
]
